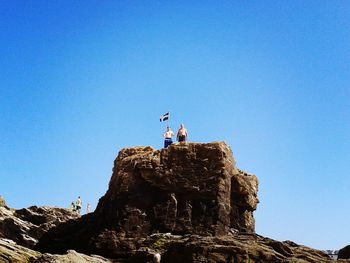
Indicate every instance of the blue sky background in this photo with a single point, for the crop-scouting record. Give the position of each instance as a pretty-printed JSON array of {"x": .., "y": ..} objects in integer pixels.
[{"x": 82, "y": 79}]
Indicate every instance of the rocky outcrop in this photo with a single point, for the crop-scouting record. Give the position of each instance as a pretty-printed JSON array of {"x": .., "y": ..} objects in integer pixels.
[
  {"x": 26, "y": 226},
  {"x": 239, "y": 248},
  {"x": 344, "y": 253},
  {"x": 188, "y": 203},
  {"x": 188, "y": 188},
  {"x": 10, "y": 252}
]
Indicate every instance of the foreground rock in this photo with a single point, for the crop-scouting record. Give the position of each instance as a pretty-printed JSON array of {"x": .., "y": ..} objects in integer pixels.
[
  {"x": 11, "y": 252},
  {"x": 238, "y": 248},
  {"x": 344, "y": 253},
  {"x": 26, "y": 226}
]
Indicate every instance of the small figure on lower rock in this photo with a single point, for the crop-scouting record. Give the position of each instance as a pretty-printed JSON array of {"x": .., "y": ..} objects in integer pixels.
[{"x": 78, "y": 205}]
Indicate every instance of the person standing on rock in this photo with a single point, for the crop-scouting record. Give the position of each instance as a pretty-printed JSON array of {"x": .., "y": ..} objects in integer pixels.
[
  {"x": 72, "y": 206},
  {"x": 168, "y": 134},
  {"x": 182, "y": 134},
  {"x": 78, "y": 205},
  {"x": 88, "y": 208}
]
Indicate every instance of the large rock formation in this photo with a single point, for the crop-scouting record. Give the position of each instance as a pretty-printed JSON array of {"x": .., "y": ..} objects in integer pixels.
[
  {"x": 188, "y": 188},
  {"x": 188, "y": 202},
  {"x": 26, "y": 226}
]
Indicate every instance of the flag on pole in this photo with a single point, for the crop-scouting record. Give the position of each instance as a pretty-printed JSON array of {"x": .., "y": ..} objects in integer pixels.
[{"x": 164, "y": 117}]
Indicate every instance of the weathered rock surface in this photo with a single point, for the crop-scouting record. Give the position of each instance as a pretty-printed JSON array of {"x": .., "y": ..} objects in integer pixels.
[
  {"x": 26, "y": 226},
  {"x": 10, "y": 252},
  {"x": 344, "y": 253},
  {"x": 191, "y": 191},
  {"x": 239, "y": 248},
  {"x": 188, "y": 188}
]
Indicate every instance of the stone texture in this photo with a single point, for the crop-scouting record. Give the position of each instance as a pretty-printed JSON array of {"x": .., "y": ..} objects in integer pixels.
[
  {"x": 189, "y": 203},
  {"x": 344, "y": 253},
  {"x": 10, "y": 252},
  {"x": 239, "y": 249},
  {"x": 71, "y": 256},
  {"x": 186, "y": 188},
  {"x": 26, "y": 226}
]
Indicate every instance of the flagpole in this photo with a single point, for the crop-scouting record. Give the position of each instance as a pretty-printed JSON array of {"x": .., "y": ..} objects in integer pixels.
[{"x": 168, "y": 119}]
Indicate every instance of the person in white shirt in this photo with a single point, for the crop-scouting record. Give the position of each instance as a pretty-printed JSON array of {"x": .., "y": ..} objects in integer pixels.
[{"x": 78, "y": 205}]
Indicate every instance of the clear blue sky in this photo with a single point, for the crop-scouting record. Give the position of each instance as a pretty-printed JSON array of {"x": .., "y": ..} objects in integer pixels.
[{"x": 82, "y": 79}]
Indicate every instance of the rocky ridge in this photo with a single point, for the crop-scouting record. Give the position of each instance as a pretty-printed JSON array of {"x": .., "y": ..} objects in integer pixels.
[
  {"x": 188, "y": 188},
  {"x": 188, "y": 203},
  {"x": 10, "y": 252},
  {"x": 25, "y": 226}
]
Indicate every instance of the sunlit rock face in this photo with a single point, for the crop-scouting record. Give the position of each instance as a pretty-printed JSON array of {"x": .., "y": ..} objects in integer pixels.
[
  {"x": 186, "y": 203},
  {"x": 10, "y": 252},
  {"x": 186, "y": 188},
  {"x": 25, "y": 226}
]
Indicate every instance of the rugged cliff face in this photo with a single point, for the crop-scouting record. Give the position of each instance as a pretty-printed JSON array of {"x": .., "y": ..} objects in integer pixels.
[
  {"x": 10, "y": 252},
  {"x": 25, "y": 226},
  {"x": 188, "y": 202},
  {"x": 186, "y": 188}
]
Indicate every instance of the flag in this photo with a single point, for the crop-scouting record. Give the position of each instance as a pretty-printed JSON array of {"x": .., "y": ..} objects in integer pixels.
[{"x": 164, "y": 117}]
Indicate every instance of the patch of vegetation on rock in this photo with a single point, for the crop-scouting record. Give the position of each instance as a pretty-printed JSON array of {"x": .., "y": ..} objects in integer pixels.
[{"x": 160, "y": 243}]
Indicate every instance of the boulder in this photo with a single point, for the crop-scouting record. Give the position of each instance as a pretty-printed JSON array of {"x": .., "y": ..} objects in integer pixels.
[
  {"x": 344, "y": 253},
  {"x": 10, "y": 252},
  {"x": 26, "y": 226},
  {"x": 239, "y": 248}
]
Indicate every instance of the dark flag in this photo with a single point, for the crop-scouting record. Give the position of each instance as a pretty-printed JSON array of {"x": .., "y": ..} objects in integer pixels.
[{"x": 164, "y": 117}]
